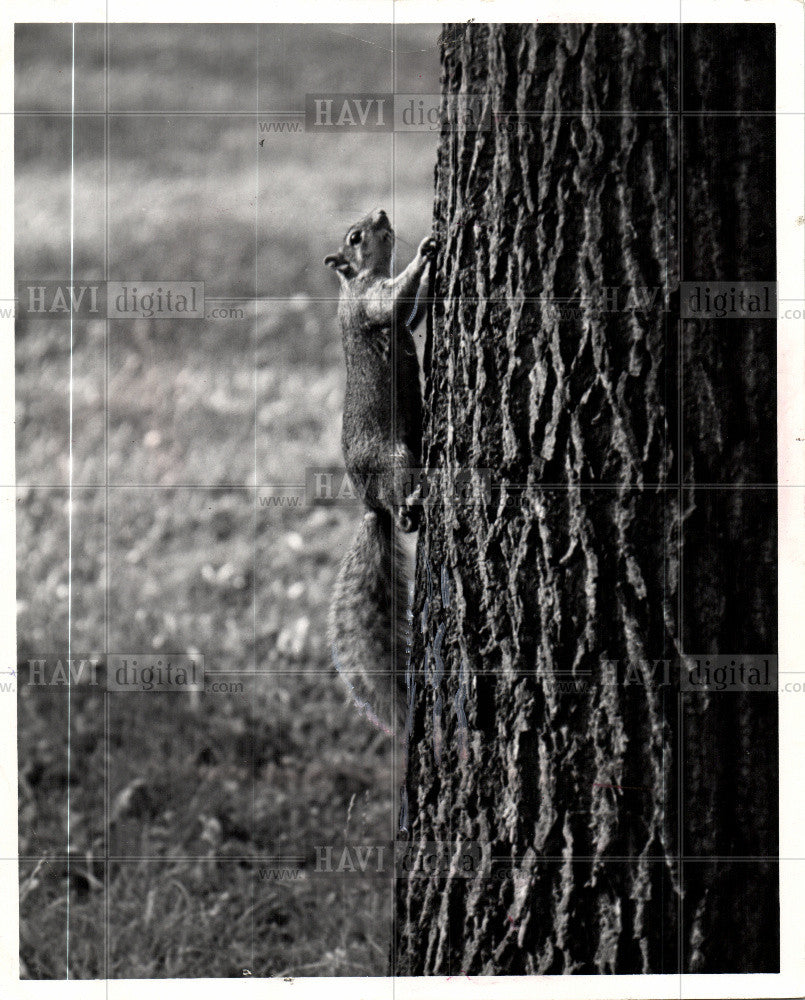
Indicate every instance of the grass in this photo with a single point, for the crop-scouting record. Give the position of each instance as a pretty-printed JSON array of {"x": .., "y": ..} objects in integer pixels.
[{"x": 176, "y": 801}]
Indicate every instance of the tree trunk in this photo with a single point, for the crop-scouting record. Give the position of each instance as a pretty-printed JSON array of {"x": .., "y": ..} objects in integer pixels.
[{"x": 614, "y": 821}]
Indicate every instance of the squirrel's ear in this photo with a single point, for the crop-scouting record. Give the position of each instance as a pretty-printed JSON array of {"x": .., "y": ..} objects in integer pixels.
[{"x": 334, "y": 260}]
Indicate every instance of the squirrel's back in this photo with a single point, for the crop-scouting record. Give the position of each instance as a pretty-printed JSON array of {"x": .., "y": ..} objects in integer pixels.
[{"x": 382, "y": 376}]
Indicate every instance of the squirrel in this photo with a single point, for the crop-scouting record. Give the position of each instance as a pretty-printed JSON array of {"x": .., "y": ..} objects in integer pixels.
[{"x": 382, "y": 443}]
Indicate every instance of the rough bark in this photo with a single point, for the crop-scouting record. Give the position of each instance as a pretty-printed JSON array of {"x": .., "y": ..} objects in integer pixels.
[{"x": 622, "y": 826}]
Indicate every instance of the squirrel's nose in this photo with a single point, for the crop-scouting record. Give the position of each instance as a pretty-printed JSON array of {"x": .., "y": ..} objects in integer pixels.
[{"x": 380, "y": 216}]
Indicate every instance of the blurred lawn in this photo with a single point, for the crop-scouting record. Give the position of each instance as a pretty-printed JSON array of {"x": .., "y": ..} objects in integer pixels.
[{"x": 174, "y": 425}]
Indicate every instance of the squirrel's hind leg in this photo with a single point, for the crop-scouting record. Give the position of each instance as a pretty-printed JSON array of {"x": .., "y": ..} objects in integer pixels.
[{"x": 406, "y": 509}]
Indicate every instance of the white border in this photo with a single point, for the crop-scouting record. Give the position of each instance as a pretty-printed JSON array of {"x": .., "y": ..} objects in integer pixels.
[{"x": 790, "y": 20}]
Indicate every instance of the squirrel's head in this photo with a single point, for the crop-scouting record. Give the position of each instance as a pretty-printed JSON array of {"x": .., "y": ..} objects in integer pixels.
[{"x": 367, "y": 246}]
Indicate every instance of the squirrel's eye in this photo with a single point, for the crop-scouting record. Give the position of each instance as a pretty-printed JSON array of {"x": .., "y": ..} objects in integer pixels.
[{"x": 355, "y": 238}]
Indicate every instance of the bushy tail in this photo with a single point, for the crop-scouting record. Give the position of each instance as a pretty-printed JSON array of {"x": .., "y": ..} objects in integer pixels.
[{"x": 367, "y": 632}]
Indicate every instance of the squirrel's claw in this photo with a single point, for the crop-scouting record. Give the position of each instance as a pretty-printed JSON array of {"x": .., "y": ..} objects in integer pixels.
[
  {"x": 407, "y": 519},
  {"x": 428, "y": 248}
]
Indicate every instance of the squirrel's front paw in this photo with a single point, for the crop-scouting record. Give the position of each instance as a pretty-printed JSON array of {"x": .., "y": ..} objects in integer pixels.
[{"x": 428, "y": 248}]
